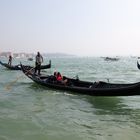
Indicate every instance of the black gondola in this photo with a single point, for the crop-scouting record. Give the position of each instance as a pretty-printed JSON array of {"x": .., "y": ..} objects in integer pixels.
[
  {"x": 111, "y": 59},
  {"x": 83, "y": 87},
  {"x": 18, "y": 67},
  {"x": 30, "y": 59},
  {"x": 138, "y": 65}
]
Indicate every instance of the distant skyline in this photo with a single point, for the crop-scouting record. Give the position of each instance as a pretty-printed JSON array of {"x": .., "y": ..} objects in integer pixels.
[{"x": 78, "y": 27}]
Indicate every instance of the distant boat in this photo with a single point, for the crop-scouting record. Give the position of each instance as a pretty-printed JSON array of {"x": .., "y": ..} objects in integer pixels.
[
  {"x": 111, "y": 59},
  {"x": 18, "y": 67},
  {"x": 30, "y": 59},
  {"x": 11, "y": 67}
]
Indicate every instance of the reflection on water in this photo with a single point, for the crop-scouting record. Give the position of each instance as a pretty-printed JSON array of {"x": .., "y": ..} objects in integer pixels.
[
  {"x": 115, "y": 106},
  {"x": 108, "y": 105},
  {"x": 117, "y": 117}
]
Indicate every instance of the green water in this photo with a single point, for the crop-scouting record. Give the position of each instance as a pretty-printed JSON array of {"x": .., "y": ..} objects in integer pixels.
[{"x": 31, "y": 112}]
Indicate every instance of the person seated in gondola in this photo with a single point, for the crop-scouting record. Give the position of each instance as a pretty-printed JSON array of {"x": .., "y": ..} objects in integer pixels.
[
  {"x": 55, "y": 75},
  {"x": 61, "y": 79},
  {"x": 53, "y": 78},
  {"x": 56, "y": 78},
  {"x": 10, "y": 60}
]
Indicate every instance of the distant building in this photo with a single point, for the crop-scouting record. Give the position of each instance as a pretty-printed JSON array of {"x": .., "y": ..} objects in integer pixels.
[
  {"x": 16, "y": 55},
  {"x": 5, "y": 54},
  {"x": 19, "y": 55}
]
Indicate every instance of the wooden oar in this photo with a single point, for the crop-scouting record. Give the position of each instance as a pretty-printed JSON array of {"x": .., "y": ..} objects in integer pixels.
[{"x": 8, "y": 87}]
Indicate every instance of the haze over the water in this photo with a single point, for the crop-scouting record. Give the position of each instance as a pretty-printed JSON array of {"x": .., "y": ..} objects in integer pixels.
[{"x": 79, "y": 27}]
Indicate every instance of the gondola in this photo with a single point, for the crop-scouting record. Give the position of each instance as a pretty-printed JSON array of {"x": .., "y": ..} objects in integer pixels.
[
  {"x": 111, "y": 59},
  {"x": 12, "y": 67},
  {"x": 18, "y": 67},
  {"x": 30, "y": 59},
  {"x": 84, "y": 87},
  {"x": 138, "y": 65}
]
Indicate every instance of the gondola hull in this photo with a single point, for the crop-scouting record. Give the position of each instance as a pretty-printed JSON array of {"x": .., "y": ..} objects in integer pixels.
[
  {"x": 86, "y": 88},
  {"x": 12, "y": 67},
  {"x": 138, "y": 65}
]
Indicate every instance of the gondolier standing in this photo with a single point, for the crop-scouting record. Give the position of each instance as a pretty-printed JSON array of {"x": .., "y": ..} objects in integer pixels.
[
  {"x": 10, "y": 60},
  {"x": 39, "y": 60}
]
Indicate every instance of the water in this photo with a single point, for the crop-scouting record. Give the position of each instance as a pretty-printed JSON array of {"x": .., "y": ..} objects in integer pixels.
[{"x": 31, "y": 112}]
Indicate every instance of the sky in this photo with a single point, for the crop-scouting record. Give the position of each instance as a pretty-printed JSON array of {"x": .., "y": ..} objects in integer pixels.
[{"x": 79, "y": 27}]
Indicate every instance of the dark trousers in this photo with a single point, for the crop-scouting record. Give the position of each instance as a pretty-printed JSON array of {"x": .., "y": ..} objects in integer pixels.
[
  {"x": 9, "y": 62},
  {"x": 37, "y": 68}
]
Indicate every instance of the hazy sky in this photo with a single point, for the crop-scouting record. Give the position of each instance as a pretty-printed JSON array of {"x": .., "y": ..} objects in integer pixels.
[{"x": 81, "y": 27}]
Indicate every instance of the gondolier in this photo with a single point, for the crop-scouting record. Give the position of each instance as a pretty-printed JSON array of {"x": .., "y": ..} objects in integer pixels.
[
  {"x": 10, "y": 60},
  {"x": 39, "y": 60}
]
